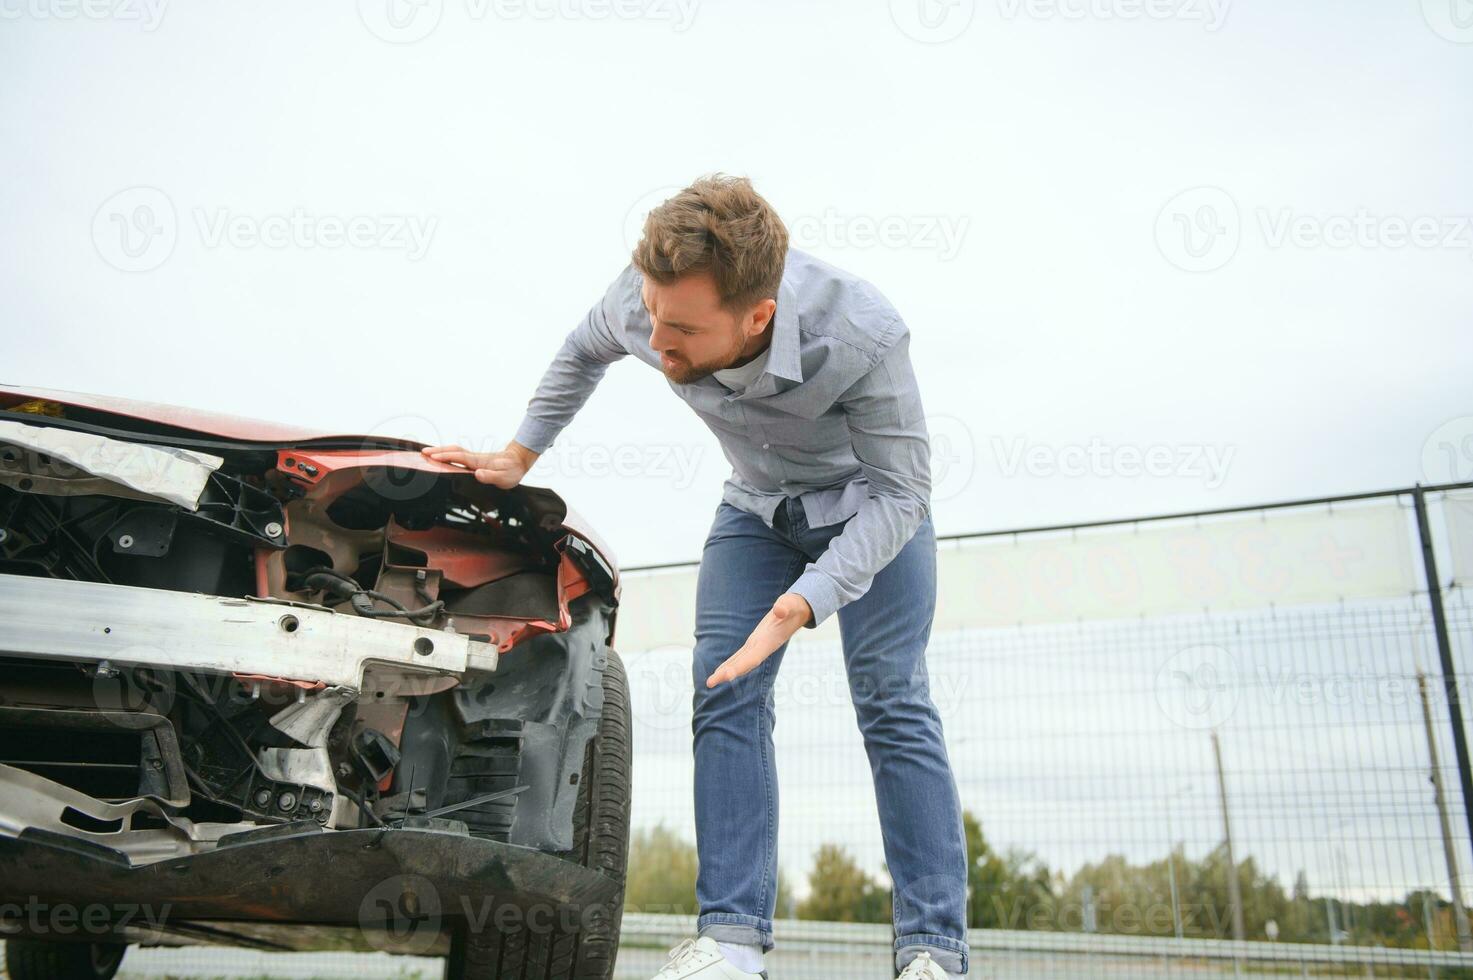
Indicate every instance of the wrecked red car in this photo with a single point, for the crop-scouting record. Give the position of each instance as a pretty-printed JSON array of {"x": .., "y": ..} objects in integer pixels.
[{"x": 300, "y": 690}]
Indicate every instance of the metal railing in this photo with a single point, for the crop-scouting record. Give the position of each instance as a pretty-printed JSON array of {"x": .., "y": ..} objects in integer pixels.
[{"x": 842, "y": 938}]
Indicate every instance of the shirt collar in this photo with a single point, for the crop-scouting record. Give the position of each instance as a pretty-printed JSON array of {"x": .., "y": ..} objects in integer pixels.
[{"x": 785, "y": 360}]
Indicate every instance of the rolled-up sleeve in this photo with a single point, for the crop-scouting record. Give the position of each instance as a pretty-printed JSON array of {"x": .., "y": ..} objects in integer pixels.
[
  {"x": 578, "y": 367},
  {"x": 888, "y": 429}
]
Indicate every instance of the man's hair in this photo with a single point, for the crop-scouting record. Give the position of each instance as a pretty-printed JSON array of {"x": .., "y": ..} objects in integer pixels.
[{"x": 720, "y": 225}]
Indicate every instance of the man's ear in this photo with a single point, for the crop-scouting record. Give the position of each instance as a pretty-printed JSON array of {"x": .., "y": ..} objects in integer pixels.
[{"x": 758, "y": 317}]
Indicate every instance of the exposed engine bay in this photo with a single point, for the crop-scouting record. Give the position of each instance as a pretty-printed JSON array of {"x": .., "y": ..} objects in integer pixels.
[{"x": 209, "y": 634}]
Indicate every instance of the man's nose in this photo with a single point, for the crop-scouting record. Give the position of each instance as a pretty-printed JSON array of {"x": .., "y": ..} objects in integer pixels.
[{"x": 660, "y": 341}]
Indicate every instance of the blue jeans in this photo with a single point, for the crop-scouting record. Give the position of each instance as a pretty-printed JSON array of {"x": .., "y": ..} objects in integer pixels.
[{"x": 745, "y": 566}]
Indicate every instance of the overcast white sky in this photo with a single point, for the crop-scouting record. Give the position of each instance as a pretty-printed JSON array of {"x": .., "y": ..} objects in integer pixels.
[{"x": 1111, "y": 225}]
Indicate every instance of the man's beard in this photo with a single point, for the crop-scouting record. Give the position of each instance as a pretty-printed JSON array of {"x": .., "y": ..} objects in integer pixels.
[{"x": 684, "y": 373}]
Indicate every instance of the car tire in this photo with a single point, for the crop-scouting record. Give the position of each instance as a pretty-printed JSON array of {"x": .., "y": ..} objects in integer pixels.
[
  {"x": 40, "y": 959},
  {"x": 600, "y": 842}
]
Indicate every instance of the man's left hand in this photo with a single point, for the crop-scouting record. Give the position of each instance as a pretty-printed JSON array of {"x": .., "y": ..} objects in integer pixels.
[{"x": 789, "y": 614}]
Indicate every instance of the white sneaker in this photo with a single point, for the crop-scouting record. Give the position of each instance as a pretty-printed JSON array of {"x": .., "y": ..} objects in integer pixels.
[
  {"x": 923, "y": 968},
  {"x": 702, "y": 959}
]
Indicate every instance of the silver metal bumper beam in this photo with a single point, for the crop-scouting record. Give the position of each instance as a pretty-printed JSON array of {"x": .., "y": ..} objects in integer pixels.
[{"x": 122, "y": 624}]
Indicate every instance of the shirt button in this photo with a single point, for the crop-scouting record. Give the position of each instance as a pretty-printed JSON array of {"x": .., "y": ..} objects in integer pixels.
[{"x": 764, "y": 445}]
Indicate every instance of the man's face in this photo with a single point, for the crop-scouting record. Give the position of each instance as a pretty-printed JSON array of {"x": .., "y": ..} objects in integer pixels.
[{"x": 693, "y": 333}]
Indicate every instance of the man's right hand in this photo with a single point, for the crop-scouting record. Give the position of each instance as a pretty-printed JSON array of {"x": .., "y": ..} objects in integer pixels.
[{"x": 504, "y": 469}]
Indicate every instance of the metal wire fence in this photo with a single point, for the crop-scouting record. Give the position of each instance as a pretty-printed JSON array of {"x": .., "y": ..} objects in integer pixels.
[{"x": 1132, "y": 709}]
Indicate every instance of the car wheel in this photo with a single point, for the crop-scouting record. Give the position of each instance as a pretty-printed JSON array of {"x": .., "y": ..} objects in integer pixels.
[
  {"x": 40, "y": 959},
  {"x": 600, "y": 842}
]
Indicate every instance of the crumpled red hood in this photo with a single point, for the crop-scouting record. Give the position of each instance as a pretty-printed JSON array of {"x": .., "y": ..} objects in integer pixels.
[
  {"x": 256, "y": 430},
  {"x": 213, "y": 423}
]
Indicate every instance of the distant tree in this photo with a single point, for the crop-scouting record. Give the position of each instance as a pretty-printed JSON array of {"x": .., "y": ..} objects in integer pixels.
[
  {"x": 1263, "y": 897},
  {"x": 1004, "y": 891},
  {"x": 839, "y": 890},
  {"x": 1136, "y": 899},
  {"x": 1305, "y": 920},
  {"x": 1118, "y": 897},
  {"x": 786, "y": 908},
  {"x": 661, "y": 873}
]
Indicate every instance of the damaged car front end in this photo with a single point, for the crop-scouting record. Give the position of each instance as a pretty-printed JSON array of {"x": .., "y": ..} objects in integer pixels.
[{"x": 301, "y": 689}]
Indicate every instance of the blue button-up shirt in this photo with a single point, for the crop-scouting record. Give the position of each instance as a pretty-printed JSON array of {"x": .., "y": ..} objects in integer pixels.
[{"x": 834, "y": 419}]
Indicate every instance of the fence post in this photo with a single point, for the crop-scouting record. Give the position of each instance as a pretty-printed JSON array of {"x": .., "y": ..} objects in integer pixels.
[
  {"x": 1445, "y": 657},
  {"x": 1450, "y": 851}
]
